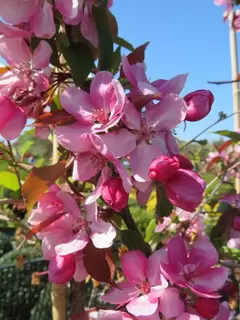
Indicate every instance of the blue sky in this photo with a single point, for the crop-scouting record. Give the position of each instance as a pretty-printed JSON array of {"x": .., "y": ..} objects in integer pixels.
[{"x": 185, "y": 36}]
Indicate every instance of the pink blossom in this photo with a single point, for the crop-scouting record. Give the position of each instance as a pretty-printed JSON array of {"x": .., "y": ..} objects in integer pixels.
[
  {"x": 141, "y": 87},
  {"x": 37, "y": 14},
  {"x": 26, "y": 74},
  {"x": 143, "y": 287},
  {"x": 234, "y": 237},
  {"x": 183, "y": 215},
  {"x": 102, "y": 107},
  {"x": 199, "y": 104},
  {"x": 71, "y": 232},
  {"x": 196, "y": 229},
  {"x": 12, "y": 120},
  {"x": 153, "y": 132},
  {"x": 114, "y": 194},
  {"x": 193, "y": 269},
  {"x": 62, "y": 269}
]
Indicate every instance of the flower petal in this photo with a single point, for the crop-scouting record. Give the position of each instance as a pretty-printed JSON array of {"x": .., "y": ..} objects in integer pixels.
[
  {"x": 79, "y": 104},
  {"x": 103, "y": 234},
  {"x": 171, "y": 305},
  {"x": 43, "y": 21},
  {"x": 80, "y": 273},
  {"x": 134, "y": 266},
  {"x": 14, "y": 50},
  {"x": 75, "y": 243},
  {"x": 203, "y": 255},
  {"x": 177, "y": 253},
  {"x": 125, "y": 293},
  {"x": 86, "y": 166},
  {"x": 167, "y": 114},
  {"x": 61, "y": 269},
  {"x": 141, "y": 306},
  {"x": 154, "y": 275},
  {"x": 41, "y": 55}
]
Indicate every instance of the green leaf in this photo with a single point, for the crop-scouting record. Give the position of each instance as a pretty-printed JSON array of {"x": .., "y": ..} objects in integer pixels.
[
  {"x": 223, "y": 207},
  {"x": 9, "y": 180},
  {"x": 116, "y": 60},
  {"x": 80, "y": 60},
  {"x": 123, "y": 43},
  {"x": 164, "y": 206},
  {"x": 3, "y": 165},
  {"x": 25, "y": 147},
  {"x": 133, "y": 240},
  {"x": 105, "y": 38},
  {"x": 230, "y": 134},
  {"x": 150, "y": 230}
]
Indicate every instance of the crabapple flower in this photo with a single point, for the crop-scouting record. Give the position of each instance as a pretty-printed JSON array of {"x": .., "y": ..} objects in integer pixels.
[
  {"x": 234, "y": 241},
  {"x": 72, "y": 231},
  {"x": 199, "y": 104},
  {"x": 144, "y": 91},
  {"x": 171, "y": 297},
  {"x": 114, "y": 194},
  {"x": 37, "y": 14},
  {"x": 27, "y": 74},
  {"x": 12, "y": 120},
  {"x": 153, "y": 132},
  {"x": 109, "y": 315},
  {"x": 193, "y": 269},
  {"x": 143, "y": 287},
  {"x": 102, "y": 107}
]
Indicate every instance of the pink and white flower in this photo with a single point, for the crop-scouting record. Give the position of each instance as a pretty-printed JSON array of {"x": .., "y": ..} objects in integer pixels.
[{"x": 144, "y": 285}]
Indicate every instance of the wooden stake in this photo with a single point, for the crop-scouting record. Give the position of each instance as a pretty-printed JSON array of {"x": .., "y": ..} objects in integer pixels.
[
  {"x": 235, "y": 85},
  {"x": 58, "y": 295}
]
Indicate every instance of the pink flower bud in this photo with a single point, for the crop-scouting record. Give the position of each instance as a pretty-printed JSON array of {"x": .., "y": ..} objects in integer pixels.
[
  {"x": 207, "y": 308},
  {"x": 199, "y": 104},
  {"x": 61, "y": 269},
  {"x": 163, "y": 168},
  {"x": 114, "y": 194},
  {"x": 236, "y": 224}
]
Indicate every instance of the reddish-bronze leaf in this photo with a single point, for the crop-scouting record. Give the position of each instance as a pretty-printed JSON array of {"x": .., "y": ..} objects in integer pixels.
[
  {"x": 99, "y": 263},
  {"x": 225, "y": 145},
  {"x": 138, "y": 55},
  {"x": 212, "y": 162},
  {"x": 57, "y": 117},
  {"x": 39, "y": 180},
  {"x": 42, "y": 225}
]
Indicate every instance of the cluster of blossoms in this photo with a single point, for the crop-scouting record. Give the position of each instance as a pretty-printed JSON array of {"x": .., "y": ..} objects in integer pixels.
[
  {"x": 121, "y": 139},
  {"x": 230, "y": 6}
]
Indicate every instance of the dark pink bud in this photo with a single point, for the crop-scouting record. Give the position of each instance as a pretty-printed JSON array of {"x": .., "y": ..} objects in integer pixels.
[
  {"x": 236, "y": 224},
  {"x": 207, "y": 308},
  {"x": 114, "y": 194},
  {"x": 184, "y": 162},
  {"x": 163, "y": 168},
  {"x": 61, "y": 269},
  {"x": 199, "y": 104},
  {"x": 185, "y": 189}
]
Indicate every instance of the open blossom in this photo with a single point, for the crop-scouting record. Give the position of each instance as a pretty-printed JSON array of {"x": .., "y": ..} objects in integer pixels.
[
  {"x": 27, "y": 73},
  {"x": 143, "y": 287},
  {"x": 37, "y": 14},
  {"x": 153, "y": 132},
  {"x": 109, "y": 315},
  {"x": 12, "y": 120},
  {"x": 71, "y": 232},
  {"x": 102, "y": 107},
  {"x": 142, "y": 90},
  {"x": 193, "y": 269}
]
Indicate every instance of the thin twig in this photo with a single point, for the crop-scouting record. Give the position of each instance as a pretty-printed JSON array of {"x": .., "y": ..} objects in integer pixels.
[
  {"x": 209, "y": 127},
  {"x": 223, "y": 82},
  {"x": 14, "y": 163}
]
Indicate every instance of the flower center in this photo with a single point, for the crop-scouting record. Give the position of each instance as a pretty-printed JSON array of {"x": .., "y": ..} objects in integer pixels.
[
  {"x": 99, "y": 116},
  {"x": 80, "y": 225},
  {"x": 144, "y": 287},
  {"x": 189, "y": 271}
]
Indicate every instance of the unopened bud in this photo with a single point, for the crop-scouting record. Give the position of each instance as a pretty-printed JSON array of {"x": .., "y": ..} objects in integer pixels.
[
  {"x": 199, "y": 104},
  {"x": 114, "y": 194},
  {"x": 207, "y": 308},
  {"x": 163, "y": 168}
]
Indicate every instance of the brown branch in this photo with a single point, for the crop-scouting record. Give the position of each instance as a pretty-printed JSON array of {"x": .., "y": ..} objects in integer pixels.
[{"x": 77, "y": 301}]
